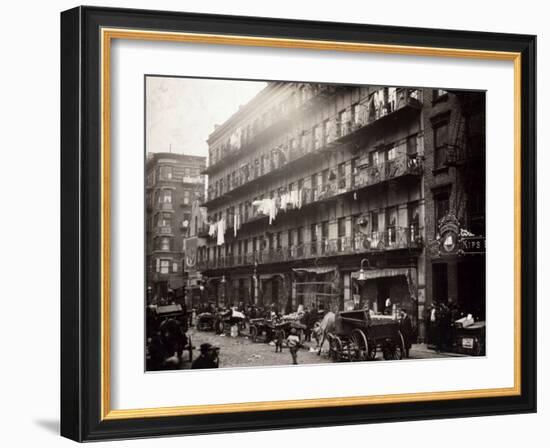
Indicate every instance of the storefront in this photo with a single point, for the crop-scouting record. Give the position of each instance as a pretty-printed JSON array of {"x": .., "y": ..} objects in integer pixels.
[{"x": 376, "y": 286}]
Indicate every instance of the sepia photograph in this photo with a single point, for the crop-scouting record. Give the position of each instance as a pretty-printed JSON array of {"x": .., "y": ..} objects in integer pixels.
[{"x": 294, "y": 223}]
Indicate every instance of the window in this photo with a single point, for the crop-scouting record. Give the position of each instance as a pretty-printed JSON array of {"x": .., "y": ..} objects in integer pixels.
[
  {"x": 314, "y": 186},
  {"x": 341, "y": 227},
  {"x": 441, "y": 137},
  {"x": 341, "y": 234},
  {"x": 317, "y": 137},
  {"x": 166, "y": 197},
  {"x": 165, "y": 244},
  {"x": 164, "y": 266},
  {"x": 374, "y": 156},
  {"x": 357, "y": 234},
  {"x": 313, "y": 231},
  {"x": 164, "y": 219},
  {"x": 165, "y": 173},
  {"x": 412, "y": 148},
  {"x": 441, "y": 208},
  {"x": 293, "y": 144},
  {"x": 356, "y": 114},
  {"x": 300, "y": 243},
  {"x": 391, "y": 225},
  {"x": 278, "y": 240},
  {"x": 303, "y": 142},
  {"x": 324, "y": 236},
  {"x": 326, "y": 133},
  {"x": 414, "y": 221},
  {"x": 174, "y": 267},
  {"x": 186, "y": 196},
  {"x": 391, "y": 153},
  {"x": 342, "y": 175},
  {"x": 324, "y": 177},
  {"x": 374, "y": 221},
  {"x": 342, "y": 124}
]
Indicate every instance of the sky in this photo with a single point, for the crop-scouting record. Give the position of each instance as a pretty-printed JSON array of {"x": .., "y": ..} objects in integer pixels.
[{"x": 182, "y": 112}]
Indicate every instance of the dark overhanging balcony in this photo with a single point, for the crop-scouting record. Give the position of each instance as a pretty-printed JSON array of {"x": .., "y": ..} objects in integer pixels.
[
  {"x": 280, "y": 121},
  {"x": 392, "y": 239},
  {"x": 403, "y": 165},
  {"x": 407, "y": 101}
]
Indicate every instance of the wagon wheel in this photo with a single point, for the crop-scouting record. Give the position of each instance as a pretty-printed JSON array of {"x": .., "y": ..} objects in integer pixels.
[
  {"x": 253, "y": 333},
  {"x": 336, "y": 348},
  {"x": 360, "y": 349},
  {"x": 394, "y": 350}
]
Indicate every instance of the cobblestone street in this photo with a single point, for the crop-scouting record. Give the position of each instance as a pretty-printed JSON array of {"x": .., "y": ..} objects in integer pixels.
[{"x": 242, "y": 352}]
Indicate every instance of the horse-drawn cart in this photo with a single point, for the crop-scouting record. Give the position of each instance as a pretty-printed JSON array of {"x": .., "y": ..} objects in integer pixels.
[
  {"x": 358, "y": 335},
  {"x": 265, "y": 329},
  {"x": 205, "y": 321}
]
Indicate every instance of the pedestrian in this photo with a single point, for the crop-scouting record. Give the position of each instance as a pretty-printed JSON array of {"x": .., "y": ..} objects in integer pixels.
[
  {"x": 405, "y": 326},
  {"x": 306, "y": 320},
  {"x": 293, "y": 343},
  {"x": 388, "y": 307},
  {"x": 279, "y": 338},
  {"x": 173, "y": 337},
  {"x": 207, "y": 359}
]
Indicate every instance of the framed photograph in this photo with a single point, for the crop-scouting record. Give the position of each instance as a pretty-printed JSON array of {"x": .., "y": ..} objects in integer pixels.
[{"x": 273, "y": 223}]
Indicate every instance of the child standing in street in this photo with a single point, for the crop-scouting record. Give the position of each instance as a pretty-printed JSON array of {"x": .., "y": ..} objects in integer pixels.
[
  {"x": 279, "y": 336},
  {"x": 293, "y": 343}
]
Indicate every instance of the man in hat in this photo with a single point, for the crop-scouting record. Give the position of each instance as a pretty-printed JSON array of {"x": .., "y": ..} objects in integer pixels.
[
  {"x": 207, "y": 358},
  {"x": 405, "y": 326}
]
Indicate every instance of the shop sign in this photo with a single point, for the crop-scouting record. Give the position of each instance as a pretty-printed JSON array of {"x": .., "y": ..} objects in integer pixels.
[
  {"x": 473, "y": 244},
  {"x": 453, "y": 240}
]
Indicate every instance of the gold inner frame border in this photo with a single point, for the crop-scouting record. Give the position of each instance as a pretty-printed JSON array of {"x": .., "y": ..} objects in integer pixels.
[{"x": 107, "y": 35}]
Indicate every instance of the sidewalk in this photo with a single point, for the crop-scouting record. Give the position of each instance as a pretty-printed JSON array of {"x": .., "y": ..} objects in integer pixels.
[{"x": 420, "y": 351}]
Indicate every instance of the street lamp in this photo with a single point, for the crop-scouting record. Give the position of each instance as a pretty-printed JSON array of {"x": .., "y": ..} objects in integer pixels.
[
  {"x": 223, "y": 282},
  {"x": 362, "y": 274}
]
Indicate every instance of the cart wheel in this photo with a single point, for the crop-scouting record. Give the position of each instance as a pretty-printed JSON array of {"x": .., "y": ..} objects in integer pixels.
[
  {"x": 336, "y": 349},
  {"x": 394, "y": 350},
  {"x": 360, "y": 349},
  {"x": 253, "y": 334},
  {"x": 400, "y": 349}
]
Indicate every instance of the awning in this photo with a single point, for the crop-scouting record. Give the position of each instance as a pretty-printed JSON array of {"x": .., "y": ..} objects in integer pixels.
[
  {"x": 387, "y": 272},
  {"x": 317, "y": 269}
]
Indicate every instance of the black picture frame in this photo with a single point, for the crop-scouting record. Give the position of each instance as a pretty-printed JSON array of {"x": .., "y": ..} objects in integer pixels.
[{"x": 81, "y": 223}]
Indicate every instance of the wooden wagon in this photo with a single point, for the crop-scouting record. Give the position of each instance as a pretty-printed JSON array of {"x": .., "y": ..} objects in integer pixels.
[
  {"x": 358, "y": 336},
  {"x": 266, "y": 329}
]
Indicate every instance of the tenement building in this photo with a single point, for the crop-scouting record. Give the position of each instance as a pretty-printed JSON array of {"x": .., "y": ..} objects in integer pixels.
[
  {"x": 454, "y": 179},
  {"x": 172, "y": 183},
  {"x": 317, "y": 196}
]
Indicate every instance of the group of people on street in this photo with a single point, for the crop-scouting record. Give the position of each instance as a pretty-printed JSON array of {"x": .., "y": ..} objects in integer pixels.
[
  {"x": 167, "y": 336},
  {"x": 166, "y": 340},
  {"x": 440, "y": 324}
]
